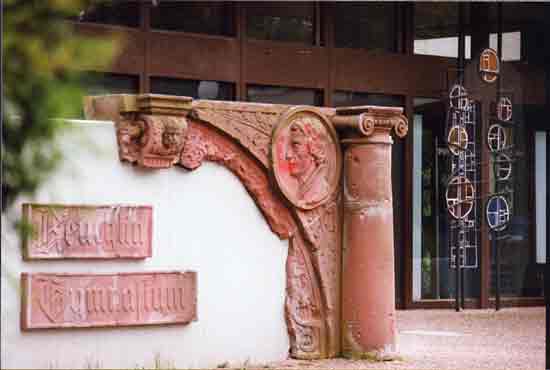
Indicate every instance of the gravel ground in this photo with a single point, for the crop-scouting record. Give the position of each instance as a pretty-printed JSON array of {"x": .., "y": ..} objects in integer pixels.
[{"x": 512, "y": 338}]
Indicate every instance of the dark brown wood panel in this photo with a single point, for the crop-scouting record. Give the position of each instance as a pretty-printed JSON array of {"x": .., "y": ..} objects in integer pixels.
[
  {"x": 417, "y": 75},
  {"x": 131, "y": 56},
  {"x": 274, "y": 63},
  {"x": 194, "y": 57}
]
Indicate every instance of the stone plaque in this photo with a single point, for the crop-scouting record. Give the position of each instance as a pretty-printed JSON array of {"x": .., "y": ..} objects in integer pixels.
[
  {"x": 86, "y": 231},
  {"x": 101, "y": 300},
  {"x": 306, "y": 157}
]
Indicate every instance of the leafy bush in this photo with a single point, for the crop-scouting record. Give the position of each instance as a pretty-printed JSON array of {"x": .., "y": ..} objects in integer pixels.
[{"x": 41, "y": 70}]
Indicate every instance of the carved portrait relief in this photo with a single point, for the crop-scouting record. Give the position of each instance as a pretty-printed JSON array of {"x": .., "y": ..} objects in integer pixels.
[{"x": 306, "y": 157}]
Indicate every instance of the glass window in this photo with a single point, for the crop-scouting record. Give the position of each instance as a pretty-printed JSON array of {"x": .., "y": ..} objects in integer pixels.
[
  {"x": 197, "y": 89},
  {"x": 284, "y": 95},
  {"x": 436, "y": 29},
  {"x": 541, "y": 192},
  {"x": 520, "y": 275},
  {"x": 520, "y": 22},
  {"x": 511, "y": 45},
  {"x": 350, "y": 98},
  {"x": 120, "y": 13},
  {"x": 289, "y": 21},
  {"x": 367, "y": 25},
  {"x": 96, "y": 83},
  {"x": 398, "y": 189},
  {"x": 215, "y": 18}
]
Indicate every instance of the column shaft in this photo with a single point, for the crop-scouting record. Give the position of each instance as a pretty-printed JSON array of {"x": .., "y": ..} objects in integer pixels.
[{"x": 368, "y": 261}]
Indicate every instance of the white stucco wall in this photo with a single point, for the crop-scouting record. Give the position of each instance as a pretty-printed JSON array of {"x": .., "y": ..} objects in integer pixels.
[{"x": 203, "y": 221}]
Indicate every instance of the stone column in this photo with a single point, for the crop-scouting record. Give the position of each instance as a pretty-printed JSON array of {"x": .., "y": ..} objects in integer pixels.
[{"x": 368, "y": 288}]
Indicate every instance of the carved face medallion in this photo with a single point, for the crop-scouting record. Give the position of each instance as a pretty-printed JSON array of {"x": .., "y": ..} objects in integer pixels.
[{"x": 306, "y": 157}]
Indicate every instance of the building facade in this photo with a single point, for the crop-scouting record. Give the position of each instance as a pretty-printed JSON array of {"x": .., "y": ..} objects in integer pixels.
[{"x": 388, "y": 54}]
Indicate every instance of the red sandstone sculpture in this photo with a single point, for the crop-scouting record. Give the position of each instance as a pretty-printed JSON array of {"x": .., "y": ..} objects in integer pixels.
[
  {"x": 97, "y": 300},
  {"x": 296, "y": 148},
  {"x": 88, "y": 231},
  {"x": 306, "y": 157}
]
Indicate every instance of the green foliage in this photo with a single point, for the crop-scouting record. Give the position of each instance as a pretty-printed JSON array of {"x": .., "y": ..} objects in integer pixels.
[{"x": 42, "y": 58}]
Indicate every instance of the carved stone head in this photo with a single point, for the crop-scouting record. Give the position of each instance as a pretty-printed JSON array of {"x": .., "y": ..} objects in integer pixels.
[
  {"x": 172, "y": 136},
  {"x": 305, "y": 151},
  {"x": 306, "y": 157}
]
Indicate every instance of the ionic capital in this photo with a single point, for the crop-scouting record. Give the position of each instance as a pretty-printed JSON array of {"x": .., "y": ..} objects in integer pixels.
[{"x": 370, "y": 124}]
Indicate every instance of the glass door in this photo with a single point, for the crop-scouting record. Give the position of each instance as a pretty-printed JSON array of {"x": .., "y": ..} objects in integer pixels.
[{"x": 433, "y": 261}]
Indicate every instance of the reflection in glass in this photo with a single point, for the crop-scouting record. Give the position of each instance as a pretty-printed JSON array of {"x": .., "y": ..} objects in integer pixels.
[
  {"x": 436, "y": 29},
  {"x": 214, "y": 18},
  {"x": 541, "y": 191},
  {"x": 96, "y": 83},
  {"x": 284, "y": 95},
  {"x": 197, "y": 89},
  {"x": 351, "y": 98},
  {"x": 120, "y": 13},
  {"x": 511, "y": 45},
  {"x": 520, "y": 275},
  {"x": 289, "y": 22},
  {"x": 369, "y": 25},
  {"x": 433, "y": 278}
]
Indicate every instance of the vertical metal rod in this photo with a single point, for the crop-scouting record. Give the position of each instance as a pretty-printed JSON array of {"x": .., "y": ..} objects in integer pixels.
[
  {"x": 460, "y": 66},
  {"x": 457, "y": 279},
  {"x": 547, "y": 265},
  {"x": 497, "y": 264},
  {"x": 499, "y": 48},
  {"x": 499, "y": 84},
  {"x": 461, "y": 43},
  {"x": 462, "y": 285},
  {"x": 436, "y": 215},
  {"x": 457, "y": 269}
]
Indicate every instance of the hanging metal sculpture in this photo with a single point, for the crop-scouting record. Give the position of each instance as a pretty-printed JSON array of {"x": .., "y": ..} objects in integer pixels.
[
  {"x": 499, "y": 206},
  {"x": 461, "y": 191},
  {"x": 489, "y": 68},
  {"x": 499, "y": 141},
  {"x": 497, "y": 212}
]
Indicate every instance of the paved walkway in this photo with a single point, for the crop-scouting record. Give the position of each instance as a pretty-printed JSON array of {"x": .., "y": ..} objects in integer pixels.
[{"x": 512, "y": 338}]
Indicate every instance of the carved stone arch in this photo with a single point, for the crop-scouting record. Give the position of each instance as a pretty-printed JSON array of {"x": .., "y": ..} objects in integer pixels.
[
  {"x": 305, "y": 304},
  {"x": 300, "y": 148},
  {"x": 159, "y": 132}
]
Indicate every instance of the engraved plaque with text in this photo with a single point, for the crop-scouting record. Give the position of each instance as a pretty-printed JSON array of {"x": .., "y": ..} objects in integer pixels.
[
  {"x": 88, "y": 231},
  {"x": 103, "y": 300}
]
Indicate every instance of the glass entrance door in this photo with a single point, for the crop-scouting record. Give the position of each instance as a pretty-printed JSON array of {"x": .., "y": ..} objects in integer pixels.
[{"x": 433, "y": 263}]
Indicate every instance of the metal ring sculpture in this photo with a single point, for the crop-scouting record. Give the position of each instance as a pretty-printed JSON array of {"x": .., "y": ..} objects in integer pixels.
[
  {"x": 457, "y": 140},
  {"x": 460, "y": 197},
  {"x": 496, "y": 138},
  {"x": 497, "y": 212}
]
